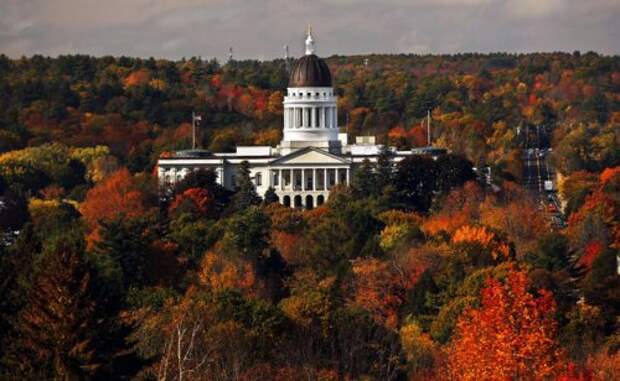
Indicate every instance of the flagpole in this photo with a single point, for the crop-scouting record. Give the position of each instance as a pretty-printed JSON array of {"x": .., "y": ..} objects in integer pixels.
[{"x": 193, "y": 130}]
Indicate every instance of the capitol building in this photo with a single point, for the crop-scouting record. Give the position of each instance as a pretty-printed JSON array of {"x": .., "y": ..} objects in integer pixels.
[{"x": 313, "y": 155}]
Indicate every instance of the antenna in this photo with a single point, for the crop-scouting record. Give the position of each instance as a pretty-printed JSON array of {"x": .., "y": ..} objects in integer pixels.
[
  {"x": 287, "y": 61},
  {"x": 428, "y": 126}
]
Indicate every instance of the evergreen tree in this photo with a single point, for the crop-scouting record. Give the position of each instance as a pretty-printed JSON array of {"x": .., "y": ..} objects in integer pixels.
[
  {"x": 246, "y": 192},
  {"x": 270, "y": 196},
  {"x": 58, "y": 329},
  {"x": 364, "y": 182},
  {"x": 121, "y": 253},
  {"x": 385, "y": 168}
]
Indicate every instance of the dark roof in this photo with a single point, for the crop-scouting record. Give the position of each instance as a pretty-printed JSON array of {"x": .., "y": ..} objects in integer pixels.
[
  {"x": 310, "y": 71},
  {"x": 191, "y": 153}
]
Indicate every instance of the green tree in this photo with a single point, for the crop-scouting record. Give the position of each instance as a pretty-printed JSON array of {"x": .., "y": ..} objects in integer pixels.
[
  {"x": 415, "y": 182},
  {"x": 364, "y": 182},
  {"x": 452, "y": 171},
  {"x": 270, "y": 196},
  {"x": 246, "y": 191}
]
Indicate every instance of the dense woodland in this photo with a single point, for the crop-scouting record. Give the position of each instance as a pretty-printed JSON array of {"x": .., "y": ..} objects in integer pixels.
[{"x": 417, "y": 271}]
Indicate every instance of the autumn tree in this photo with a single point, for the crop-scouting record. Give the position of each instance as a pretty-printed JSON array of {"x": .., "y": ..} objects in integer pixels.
[
  {"x": 59, "y": 327},
  {"x": 122, "y": 194},
  {"x": 512, "y": 335}
]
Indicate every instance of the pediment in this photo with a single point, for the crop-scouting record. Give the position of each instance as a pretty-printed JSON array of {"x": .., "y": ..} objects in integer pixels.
[{"x": 310, "y": 156}]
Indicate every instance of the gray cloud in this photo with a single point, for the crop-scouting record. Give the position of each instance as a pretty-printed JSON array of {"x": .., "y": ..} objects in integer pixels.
[{"x": 260, "y": 28}]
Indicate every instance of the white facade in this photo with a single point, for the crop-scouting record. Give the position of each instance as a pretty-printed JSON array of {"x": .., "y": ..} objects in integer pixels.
[{"x": 310, "y": 160}]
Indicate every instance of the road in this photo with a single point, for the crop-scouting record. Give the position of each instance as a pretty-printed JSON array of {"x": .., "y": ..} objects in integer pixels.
[{"x": 537, "y": 171}]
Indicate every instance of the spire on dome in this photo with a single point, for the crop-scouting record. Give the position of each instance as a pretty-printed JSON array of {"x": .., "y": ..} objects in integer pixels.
[{"x": 309, "y": 42}]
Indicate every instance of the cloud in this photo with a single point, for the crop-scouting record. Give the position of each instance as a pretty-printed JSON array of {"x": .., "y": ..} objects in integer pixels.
[{"x": 167, "y": 28}]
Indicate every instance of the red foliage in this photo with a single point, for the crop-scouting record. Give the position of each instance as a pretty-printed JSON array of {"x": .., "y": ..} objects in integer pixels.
[
  {"x": 592, "y": 250},
  {"x": 196, "y": 200},
  {"x": 574, "y": 373}
]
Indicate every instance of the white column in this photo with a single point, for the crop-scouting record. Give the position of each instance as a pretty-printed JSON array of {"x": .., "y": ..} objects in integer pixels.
[
  {"x": 314, "y": 179},
  {"x": 324, "y": 178},
  {"x": 303, "y": 179},
  {"x": 337, "y": 178},
  {"x": 348, "y": 176},
  {"x": 328, "y": 117},
  {"x": 312, "y": 117},
  {"x": 335, "y": 125},
  {"x": 280, "y": 180},
  {"x": 304, "y": 116}
]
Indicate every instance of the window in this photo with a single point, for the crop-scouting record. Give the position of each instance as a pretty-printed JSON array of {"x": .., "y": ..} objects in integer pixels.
[
  {"x": 258, "y": 178},
  {"x": 233, "y": 180},
  {"x": 275, "y": 178}
]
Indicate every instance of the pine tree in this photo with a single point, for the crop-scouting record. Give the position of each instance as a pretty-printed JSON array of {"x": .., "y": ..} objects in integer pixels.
[
  {"x": 364, "y": 181},
  {"x": 58, "y": 328},
  {"x": 270, "y": 196},
  {"x": 121, "y": 252},
  {"x": 385, "y": 168},
  {"x": 246, "y": 192}
]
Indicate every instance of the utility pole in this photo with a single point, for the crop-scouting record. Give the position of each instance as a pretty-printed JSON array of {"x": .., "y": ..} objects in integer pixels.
[
  {"x": 527, "y": 130},
  {"x": 195, "y": 119},
  {"x": 428, "y": 127}
]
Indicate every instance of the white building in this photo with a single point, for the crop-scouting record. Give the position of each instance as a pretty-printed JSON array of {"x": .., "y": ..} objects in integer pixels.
[{"x": 312, "y": 157}]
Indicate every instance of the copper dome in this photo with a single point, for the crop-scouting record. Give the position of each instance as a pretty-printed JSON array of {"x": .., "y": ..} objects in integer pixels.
[{"x": 310, "y": 71}]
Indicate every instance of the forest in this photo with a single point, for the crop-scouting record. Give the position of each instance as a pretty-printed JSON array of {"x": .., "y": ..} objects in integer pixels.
[{"x": 419, "y": 270}]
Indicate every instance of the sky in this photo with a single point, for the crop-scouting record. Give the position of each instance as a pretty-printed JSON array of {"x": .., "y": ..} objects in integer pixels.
[{"x": 259, "y": 29}]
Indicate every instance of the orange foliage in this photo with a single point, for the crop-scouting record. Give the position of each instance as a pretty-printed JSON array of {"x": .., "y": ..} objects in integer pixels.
[
  {"x": 522, "y": 222},
  {"x": 218, "y": 273},
  {"x": 606, "y": 364},
  {"x": 268, "y": 137},
  {"x": 510, "y": 336},
  {"x": 286, "y": 244},
  {"x": 118, "y": 195},
  {"x": 138, "y": 78},
  {"x": 379, "y": 288},
  {"x": 484, "y": 237},
  {"x": 604, "y": 202},
  {"x": 460, "y": 208}
]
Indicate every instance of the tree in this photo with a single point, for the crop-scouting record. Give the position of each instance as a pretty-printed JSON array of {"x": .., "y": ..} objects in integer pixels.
[
  {"x": 246, "y": 192},
  {"x": 364, "y": 181},
  {"x": 414, "y": 182},
  {"x": 205, "y": 179},
  {"x": 121, "y": 194},
  {"x": 512, "y": 335},
  {"x": 384, "y": 168},
  {"x": 122, "y": 254},
  {"x": 452, "y": 171},
  {"x": 59, "y": 327},
  {"x": 270, "y": 196}
]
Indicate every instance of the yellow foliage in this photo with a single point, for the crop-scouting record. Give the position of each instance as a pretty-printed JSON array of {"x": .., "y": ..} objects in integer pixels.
[{"x": 391, "y": 234}]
